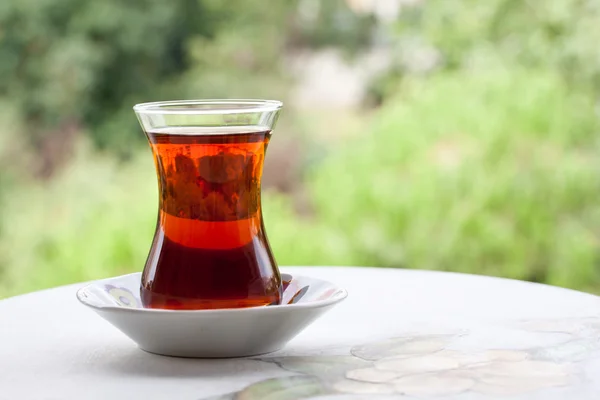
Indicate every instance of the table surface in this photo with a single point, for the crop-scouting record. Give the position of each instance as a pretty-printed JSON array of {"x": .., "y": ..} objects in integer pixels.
[{"x": 399, "y": 334}]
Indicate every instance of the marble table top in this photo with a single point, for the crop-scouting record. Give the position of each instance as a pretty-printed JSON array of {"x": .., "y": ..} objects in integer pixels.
[{"x": 399, "y": 335}]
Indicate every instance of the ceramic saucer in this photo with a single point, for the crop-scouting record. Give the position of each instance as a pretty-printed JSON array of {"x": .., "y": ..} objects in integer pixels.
[{"x": 211, "y": 333}]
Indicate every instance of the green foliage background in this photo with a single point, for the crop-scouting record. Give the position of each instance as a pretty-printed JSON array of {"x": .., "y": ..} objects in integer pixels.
[{"x": 485, "y": 162}]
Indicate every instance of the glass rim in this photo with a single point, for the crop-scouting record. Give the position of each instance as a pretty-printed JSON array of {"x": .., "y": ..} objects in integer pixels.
[{"x": 222, "y": 106}]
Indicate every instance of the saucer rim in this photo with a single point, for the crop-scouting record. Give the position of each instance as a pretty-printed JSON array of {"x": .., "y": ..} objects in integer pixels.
[{"x": 341, "y": 295}]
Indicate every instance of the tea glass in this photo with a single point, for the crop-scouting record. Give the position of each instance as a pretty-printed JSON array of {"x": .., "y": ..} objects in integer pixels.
[{"x": 210, "y": 249}]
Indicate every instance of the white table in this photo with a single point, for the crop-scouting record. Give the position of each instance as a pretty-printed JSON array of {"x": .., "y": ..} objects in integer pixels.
[{"x": 450, "y": 336}]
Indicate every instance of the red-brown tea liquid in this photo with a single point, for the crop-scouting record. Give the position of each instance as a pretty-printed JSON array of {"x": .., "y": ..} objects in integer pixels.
[{"x": 210, "y": 249}]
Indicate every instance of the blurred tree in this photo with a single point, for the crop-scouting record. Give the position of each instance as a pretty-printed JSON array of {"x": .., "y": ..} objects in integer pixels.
[
  {"x": 331, "y": 24},
  {"x": 72, "y": 66},
  {"x": 68, "y": 64},
  {"x": 491, "y": 172},
  {"x": 558, "y": 34}
]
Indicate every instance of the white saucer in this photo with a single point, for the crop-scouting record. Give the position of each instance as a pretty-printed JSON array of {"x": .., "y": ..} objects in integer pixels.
[{"x": 211, "y": 333}]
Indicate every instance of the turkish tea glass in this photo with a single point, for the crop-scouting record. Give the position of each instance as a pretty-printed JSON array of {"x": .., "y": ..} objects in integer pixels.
[{"x": 210, "y": 249}]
